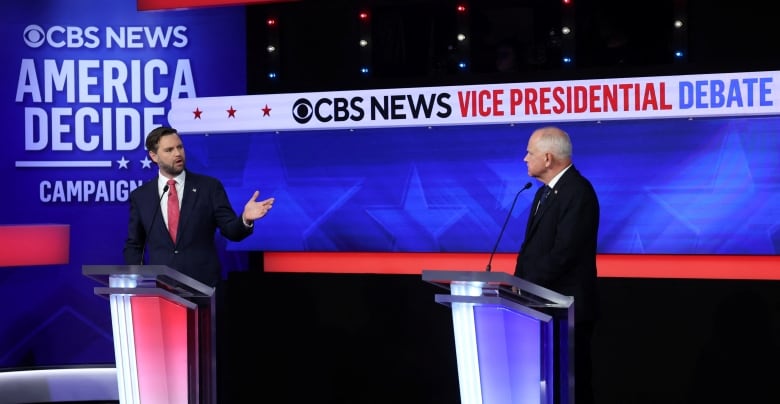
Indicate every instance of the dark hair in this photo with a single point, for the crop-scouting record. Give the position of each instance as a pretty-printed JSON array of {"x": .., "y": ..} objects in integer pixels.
[{"x": 153, "y": 139}]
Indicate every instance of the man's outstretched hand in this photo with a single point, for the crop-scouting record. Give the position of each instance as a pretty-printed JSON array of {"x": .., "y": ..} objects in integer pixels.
[{"x": 255, "y": 209}]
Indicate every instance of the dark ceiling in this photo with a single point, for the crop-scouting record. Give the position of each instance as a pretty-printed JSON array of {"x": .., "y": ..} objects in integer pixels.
[{"x": 414, "y": 40}]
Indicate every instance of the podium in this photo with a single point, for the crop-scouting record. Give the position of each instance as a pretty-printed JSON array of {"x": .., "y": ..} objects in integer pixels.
[
  {"x": 163, "y": 333},
  {"x": 514, "y": 340}
]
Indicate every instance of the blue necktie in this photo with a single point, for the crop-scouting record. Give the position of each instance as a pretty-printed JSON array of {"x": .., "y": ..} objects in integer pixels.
[{"x": 545, "y": 193}]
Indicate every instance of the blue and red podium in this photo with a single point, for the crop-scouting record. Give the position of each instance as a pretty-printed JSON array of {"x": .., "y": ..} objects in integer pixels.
[
  {"x": 514, "y": 340},
  {"x": 163, "y": 333}
]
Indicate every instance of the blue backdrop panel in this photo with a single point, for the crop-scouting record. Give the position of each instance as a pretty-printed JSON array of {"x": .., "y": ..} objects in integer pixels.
[
  {"x": 80, "y": 84},
  {"x": 667, "y": 186}
]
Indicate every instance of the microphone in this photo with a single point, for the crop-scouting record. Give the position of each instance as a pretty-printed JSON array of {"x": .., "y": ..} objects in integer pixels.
[
  {"x": 151, "y": 224},
  {"x": 526, "y": 186}
]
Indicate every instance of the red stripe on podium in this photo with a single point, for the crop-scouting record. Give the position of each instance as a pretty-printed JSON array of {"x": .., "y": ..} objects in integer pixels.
[
  {"x": 160, "y": 331},
  {"x": 34, "y": 244},
  {"x": 759, "y": 267}
]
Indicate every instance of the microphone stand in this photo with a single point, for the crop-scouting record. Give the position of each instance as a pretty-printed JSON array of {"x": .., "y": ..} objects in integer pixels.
[{"x": 526, "y": 186}]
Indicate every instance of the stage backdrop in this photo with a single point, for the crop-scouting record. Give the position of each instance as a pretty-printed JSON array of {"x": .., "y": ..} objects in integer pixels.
[
  {"x": 82, "y": 82},
  {"x": 682, "y": 165}
]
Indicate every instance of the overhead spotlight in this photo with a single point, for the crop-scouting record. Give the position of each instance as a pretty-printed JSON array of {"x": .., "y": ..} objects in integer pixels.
[
  {"x": 271, "y": 48},
  {"x": 566, "y": 30},
  {"x": 566, "y": 60},
  {"x": 461, "y": 37},
  {"x": 678, "y": 54},
  {"x": 271, "y": 75},
  {"x": 271, "y": 22},
  {"x": 678, "y": 23},
  {"x": 363, "y": 43},
  {"x": 364, "y": 70}
]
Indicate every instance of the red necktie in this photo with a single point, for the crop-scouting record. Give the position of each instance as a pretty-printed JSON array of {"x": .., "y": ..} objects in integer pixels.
[{"x": 173, "y": 209}]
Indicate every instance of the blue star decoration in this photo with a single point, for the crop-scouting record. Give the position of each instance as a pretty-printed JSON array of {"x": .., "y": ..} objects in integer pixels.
[
  {"x": 123, "y": 162},
  {"x": 146, "y": 163},
  {"x": 720, "y": 204},
  {"x": 417, "y": 224}
]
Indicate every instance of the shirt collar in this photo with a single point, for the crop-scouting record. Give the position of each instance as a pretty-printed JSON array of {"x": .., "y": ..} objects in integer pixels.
[
  {"x": 162, "y": 180},
  {"x": 555, "y": 179}
]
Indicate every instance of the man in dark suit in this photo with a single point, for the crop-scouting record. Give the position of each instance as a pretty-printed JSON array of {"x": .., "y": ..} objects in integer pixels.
[
  {"x": 199, "y": 206},
  {"x": 204, "y": 209},
  {"x": 559, "y": 249}
]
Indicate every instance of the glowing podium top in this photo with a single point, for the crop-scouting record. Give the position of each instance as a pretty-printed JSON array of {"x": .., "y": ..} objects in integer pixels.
[
  {"x": 158, "y": 280},
  {"x": 500, "y": 284}
]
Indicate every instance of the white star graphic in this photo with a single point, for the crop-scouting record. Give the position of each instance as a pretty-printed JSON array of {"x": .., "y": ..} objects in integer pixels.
[
  {"x": 146, "y": 163},
  {"x": 123, "y": 163}
]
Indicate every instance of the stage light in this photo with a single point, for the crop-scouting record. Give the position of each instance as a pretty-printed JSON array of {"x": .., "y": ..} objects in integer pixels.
[
  {"x": 461, "y": 37},
  {"x": 566, "y": 30},
  {"x": 461, "y": 8},
  {"x": 566, "y": 60},
  {"x": 462, "y": 65},
  {"x": 364, "y": 42},
  {"x": 271, "y": 48},
  {"x": 678, "y": 23},
  {"x": 679, "y": 54},
  {"x": 271, "y": 75},
  {"x": 271, "y": 22}
]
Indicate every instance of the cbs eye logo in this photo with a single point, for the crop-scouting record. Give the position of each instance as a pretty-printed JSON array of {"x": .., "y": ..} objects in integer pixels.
[
  {"x": 302, "y": 110},
  {"x": 34, "y": 36}
]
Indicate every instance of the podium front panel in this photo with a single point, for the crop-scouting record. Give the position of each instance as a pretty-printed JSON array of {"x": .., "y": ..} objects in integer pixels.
[
  {"x": 511, "y": 337},
  {"x": 160, "y": 352},
  {"x": 512, "y": 367}
]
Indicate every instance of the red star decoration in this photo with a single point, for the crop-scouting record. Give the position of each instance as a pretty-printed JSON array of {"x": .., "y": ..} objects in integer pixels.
[
  {"x": 266, "y": 111},
  {"x": 231, "y": 112},
  {"x": 197, "y": 113}
]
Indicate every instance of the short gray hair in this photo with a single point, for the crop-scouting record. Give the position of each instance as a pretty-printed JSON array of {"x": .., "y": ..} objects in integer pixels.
[{"x": 556, "y": 141}]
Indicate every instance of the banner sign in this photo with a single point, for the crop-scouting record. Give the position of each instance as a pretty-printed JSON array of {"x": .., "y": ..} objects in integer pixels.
[
  {"x": 694, "y": 96},
  {"x": 144, "y": 5}
]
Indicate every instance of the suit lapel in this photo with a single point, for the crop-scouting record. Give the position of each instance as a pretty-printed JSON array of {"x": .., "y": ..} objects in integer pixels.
[
  {"x": 534, "y": 215},
  {"x": 189, "y": 197},
  {"x": 533, "y": 221},
  {"x": 543, "y": 208},
  {"x": 156, "y": 208}
]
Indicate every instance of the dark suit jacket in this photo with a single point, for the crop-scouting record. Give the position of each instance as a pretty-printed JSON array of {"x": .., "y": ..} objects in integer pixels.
[
  {"x": 559, "y": 250},
  {"x": 204, "y": 209}
]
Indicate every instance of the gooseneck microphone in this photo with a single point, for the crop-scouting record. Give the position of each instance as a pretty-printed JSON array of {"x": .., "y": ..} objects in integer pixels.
[
  {"x": 151, "y": 224},
  {"x": 526, "y": 186}
]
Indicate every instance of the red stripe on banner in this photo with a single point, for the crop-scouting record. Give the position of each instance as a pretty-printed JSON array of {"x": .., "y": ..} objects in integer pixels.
[
  {"x": 610, "y": 265},
  {"x": 34, "y": 244},
  {"x": 148, "y": 5},
  {"x": 758, "y": 267}
]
